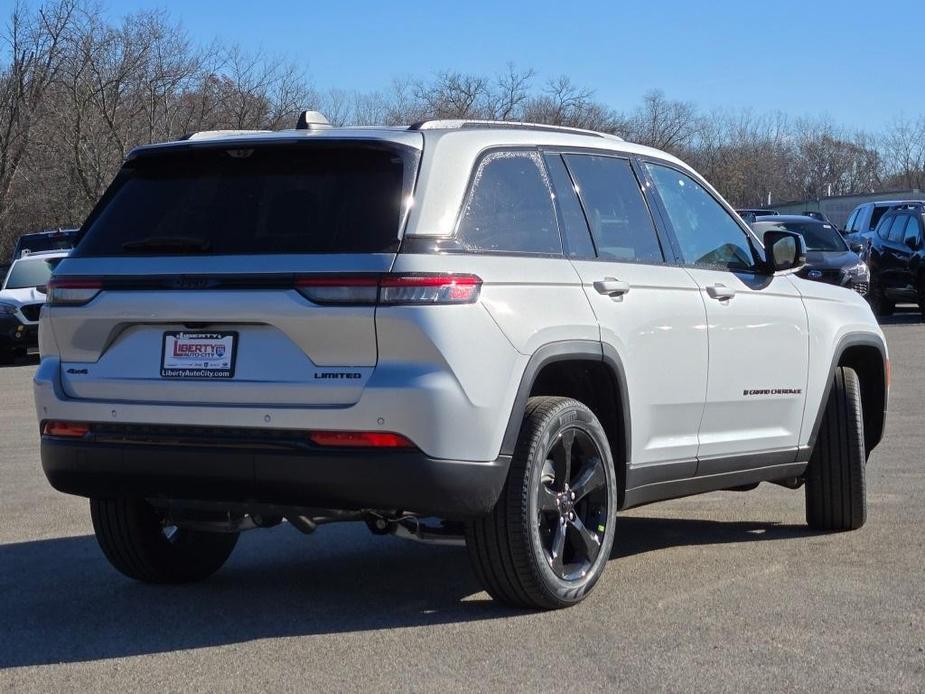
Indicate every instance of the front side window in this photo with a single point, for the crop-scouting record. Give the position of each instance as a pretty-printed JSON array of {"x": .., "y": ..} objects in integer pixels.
[
  {"x": 706, "y": 233},
  {"x": 510, "y": 207},
  {"x": 849, "y": 225},
  {"x": 617, "y": 214}
]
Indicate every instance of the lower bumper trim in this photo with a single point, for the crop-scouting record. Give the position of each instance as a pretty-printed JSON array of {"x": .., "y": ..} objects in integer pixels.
[{"x": 348, "y": 479}]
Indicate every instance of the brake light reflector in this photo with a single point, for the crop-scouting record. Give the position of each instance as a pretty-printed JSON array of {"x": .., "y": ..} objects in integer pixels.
[
  {"x": 429, "y": 289},
  {"x": 339, "y": 289},
  {"x": 72, "y": 291},
  {"x": 390, "y": 290},
  {"x": 72, "y": 430},
  {"x": 359, "y": 439}
]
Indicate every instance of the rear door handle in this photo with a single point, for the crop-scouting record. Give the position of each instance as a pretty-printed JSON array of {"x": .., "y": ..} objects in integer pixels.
[
  {"x": 611, "y": 287},
  {"x": 720, "y": 292}
]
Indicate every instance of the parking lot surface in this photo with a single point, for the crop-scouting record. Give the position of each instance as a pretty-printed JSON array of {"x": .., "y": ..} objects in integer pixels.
[{"x": 724, "y": 592}]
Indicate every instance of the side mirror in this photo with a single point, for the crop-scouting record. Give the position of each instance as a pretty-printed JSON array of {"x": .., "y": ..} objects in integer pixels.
[
  {"x": 857, "y": 247},
  {"x": 785, "y": 251},
  {"x": 913, "y": 243},
  {"x": 42, "y": 289}
]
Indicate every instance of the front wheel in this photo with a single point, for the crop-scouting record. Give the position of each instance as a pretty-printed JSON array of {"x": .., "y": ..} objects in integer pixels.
[
  {"x": 835, "y": 486},
  {"x": 140, "y": 544},
  {"x": 547, "y": 541},
  {"x": 879, "y": 304}
]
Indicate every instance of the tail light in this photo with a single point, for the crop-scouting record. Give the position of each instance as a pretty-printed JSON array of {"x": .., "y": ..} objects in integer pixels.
[
  {"x": 359, "y": 439},
  {"x": 70, "y": 430},
  {"x": 72, "y": 291},
  {"x": 429, "y": 289},
  {"x": 391, "y": 290}
]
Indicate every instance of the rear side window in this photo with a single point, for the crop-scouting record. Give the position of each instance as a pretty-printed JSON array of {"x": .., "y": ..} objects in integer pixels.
[
  {"x": 575, "y": 227},
  {"x": 617, "y": 214},
  {"x": 307, "y": 198},
  {"x": 898, "y": 229},
  {"x": 913, "y": 233},
  {"x": 510, "y": 207},
  {"x": 707, "y": 234}
]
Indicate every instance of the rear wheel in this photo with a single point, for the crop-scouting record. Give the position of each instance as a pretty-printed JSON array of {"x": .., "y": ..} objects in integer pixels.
[
  {"x": 835, "y": 486},
  {"x": 547, "y": 541},
  {"x": 139, "y": 543}
]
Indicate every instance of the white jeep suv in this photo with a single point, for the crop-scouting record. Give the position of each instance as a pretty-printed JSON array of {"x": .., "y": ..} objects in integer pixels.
[{"x": 516, "y": 329}]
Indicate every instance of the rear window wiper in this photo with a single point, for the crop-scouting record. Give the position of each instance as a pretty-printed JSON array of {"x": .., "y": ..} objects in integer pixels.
[{"x": 168, "y": 243}]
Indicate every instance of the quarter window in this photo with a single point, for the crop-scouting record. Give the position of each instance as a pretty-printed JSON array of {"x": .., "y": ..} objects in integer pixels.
[
  {"x": 510, "y": 207},
  {"x": 616, "y": 211},
  {"x": 707, "y": 234}
]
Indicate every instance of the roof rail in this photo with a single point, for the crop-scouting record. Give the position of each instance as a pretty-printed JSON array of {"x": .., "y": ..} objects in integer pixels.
[
  {"x": 465, "y": 124},
  {"x": 208, "y": 134}
]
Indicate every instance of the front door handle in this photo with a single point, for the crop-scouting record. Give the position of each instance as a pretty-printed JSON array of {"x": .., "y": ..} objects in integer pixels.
[
  {"x": 612, "y": 287},
  {"x": 721, "y": 292}
]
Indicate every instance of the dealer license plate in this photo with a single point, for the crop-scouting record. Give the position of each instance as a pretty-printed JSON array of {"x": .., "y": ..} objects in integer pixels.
[{"x": 204, "y": 355}]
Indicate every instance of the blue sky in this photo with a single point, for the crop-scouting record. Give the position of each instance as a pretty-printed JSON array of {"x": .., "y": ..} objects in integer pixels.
[{"x": 804, "y": 58}]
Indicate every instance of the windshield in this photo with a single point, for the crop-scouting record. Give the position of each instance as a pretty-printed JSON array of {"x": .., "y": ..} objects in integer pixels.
[
  {"x": 338, "y": 197},
  {"x": 30, "y": 273},
  {"x": 818, "y": 236},
  {"x": 33, "y": 243}
]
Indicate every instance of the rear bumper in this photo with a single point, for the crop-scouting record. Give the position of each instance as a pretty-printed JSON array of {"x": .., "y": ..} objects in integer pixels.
[
  {"x": 14, "y": 334},
  {"x": 354, "y": 479}
]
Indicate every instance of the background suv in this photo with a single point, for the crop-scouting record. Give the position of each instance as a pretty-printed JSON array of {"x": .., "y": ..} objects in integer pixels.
[
  {"x": 828, "y": 258},
  {"x": 22, "y": 296},
  {"x": 895, "y": 256},
  {"x": 516, "y": 328},
  {"x": 864, "y": 219}
]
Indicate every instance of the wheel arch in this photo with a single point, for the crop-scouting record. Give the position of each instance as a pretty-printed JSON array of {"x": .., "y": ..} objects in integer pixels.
[
  {"x": 866, "y": 354},
  {"x": 593, "y": 374}
]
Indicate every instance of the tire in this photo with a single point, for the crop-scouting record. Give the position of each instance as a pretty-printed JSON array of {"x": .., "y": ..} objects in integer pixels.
[
  {"x": 523, "y": 552},
  {"x": 836, "y": 497},
  {"x": 133, "y": 538}
]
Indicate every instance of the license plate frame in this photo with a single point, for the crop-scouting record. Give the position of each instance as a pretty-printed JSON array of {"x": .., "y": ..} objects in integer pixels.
[{"x": 198, "y": 355}]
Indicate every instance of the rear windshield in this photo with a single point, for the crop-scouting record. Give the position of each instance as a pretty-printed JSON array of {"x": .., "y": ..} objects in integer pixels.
[
  {"x": 303, "y": 198},
  {"x": 32, "y": 243},
  {"x": 30, "y": 273}
]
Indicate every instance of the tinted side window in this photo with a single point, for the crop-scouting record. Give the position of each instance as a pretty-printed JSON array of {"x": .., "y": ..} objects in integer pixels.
[
  {"x": 617, "y": 213},
  {"x": 912, "y": 232},
  {"x": 706, "y": 233},
  {"x": 575, "y": 227},
  {"x": 849, "y": 225},
  {"x": 876, "y": 214},
  {"x": 883, "y": 229},
  {"x": 898, "y": 228},
  {"x": 510, "y": 206}
]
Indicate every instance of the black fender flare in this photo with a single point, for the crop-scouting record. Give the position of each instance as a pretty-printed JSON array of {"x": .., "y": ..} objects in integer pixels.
[
  {"x": 845, "y": 343},
  {"x": 567, "y": 350}
]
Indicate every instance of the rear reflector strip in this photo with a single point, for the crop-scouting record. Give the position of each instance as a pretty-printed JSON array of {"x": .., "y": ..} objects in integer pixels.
[
  {"x": 359, "y": 439},
  {"x": 71, "y": 430}
]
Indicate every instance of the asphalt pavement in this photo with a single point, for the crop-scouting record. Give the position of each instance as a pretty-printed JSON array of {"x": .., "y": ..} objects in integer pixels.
[{"x": 728, "y": 591}]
